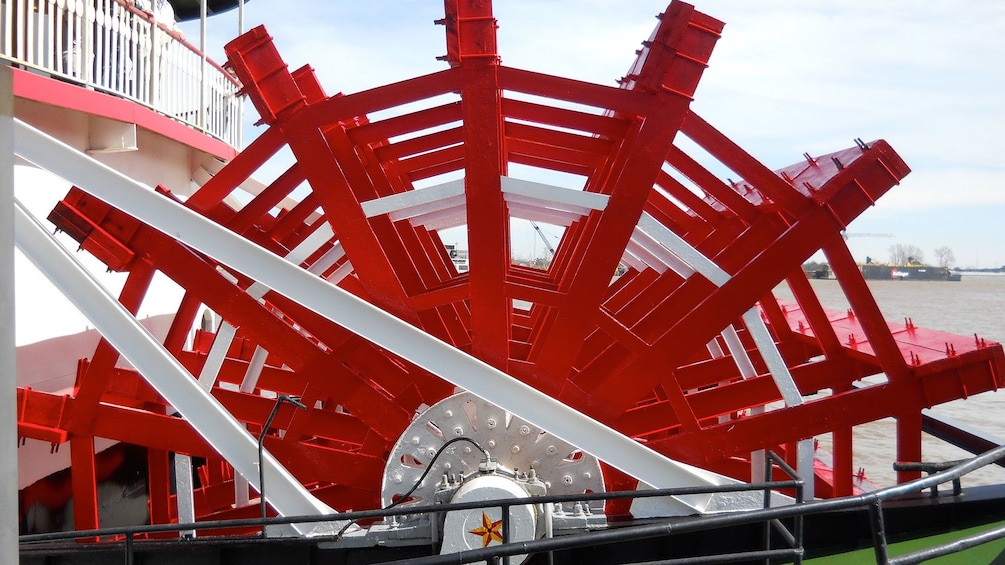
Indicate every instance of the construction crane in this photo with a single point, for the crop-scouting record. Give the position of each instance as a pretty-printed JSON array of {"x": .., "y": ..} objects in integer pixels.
[{"x": 547, "y": 244}]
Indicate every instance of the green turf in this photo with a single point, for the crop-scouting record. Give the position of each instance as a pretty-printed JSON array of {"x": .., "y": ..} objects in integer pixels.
[{"x": 989, "y": 553}]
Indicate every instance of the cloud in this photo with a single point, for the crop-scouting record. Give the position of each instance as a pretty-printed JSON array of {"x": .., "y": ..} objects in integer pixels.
[
  {"x": 945, "y": 190},
  {"x": 786, "y": 77}
]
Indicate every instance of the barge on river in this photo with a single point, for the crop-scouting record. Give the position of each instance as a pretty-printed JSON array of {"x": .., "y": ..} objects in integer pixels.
[{"x": 873, "y": 271}]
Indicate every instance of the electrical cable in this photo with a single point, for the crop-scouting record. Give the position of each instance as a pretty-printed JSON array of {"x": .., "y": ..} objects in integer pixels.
[{"x": 422, "y": 477}]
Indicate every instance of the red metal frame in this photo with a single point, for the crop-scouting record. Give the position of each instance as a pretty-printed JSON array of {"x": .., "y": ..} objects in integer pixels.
[{"x": 631, "y": 353}]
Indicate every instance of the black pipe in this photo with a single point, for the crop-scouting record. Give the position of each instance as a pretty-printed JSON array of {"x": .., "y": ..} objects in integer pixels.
[
  {"x": 261, "y": 449},
  {"x": 959, "y": 434}
]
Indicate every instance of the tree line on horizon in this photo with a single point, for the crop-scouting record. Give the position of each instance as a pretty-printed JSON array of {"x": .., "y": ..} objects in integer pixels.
[{"x": 905, "y": 254}]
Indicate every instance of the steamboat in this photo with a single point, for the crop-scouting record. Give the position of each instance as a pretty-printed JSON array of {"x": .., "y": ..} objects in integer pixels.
[{"x": 330, "y": 386}]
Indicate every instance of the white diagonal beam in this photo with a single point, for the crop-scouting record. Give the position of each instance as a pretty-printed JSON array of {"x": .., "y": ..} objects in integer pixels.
[
  {"x": 160, "y": 369},
  {"x": 403, "y": 201},
  {"x": 777, "y": 368},
  {"x": 421, "y": 210},
  {"x": 328, "y": 259},
  {"x": 375, "y": 325},
  {"x": 449, "y": 217},
  {"x": 556, "y": 196},
  {"x": 683, "y": 250},
  {"x": 527, "y": 202},
  {"x": 755, "y": 325},
  {"x": 661, "y": 253},
  {"x": 538, "y": 213}
]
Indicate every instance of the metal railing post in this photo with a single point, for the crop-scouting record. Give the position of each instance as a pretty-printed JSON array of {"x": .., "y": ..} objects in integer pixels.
[
  {"x": 797, "y": 524},
  {"x": 768, "y": 464},
  {"x": 155, "y": 65},
  {"x": 87, "y": 55},
  {"x": 261, "y": 449},
  {"x": 202, "y": 65},
  {"x": 505, "y": 528},
  {"x": 878, "y": 531},
  {"x": 129, "y": 548}
]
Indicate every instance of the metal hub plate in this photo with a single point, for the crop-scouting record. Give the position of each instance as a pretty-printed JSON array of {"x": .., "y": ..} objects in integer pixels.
[{"x": 516, "y": 444}]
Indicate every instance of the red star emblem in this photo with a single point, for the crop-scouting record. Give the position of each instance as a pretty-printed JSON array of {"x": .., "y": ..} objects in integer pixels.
[{"x": 489, "y": 531}]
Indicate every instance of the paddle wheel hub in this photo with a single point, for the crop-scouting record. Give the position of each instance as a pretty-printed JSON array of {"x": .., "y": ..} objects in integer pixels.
[{"x": 453, "y": 438}]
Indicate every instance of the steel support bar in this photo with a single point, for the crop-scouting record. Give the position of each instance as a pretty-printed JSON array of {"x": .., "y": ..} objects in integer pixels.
[
  {"x": 772, "y": 358},
  {"x": 577, "y": 201},
  {"x": 369, "y": 322},
  {"x": 755, "y": 325},
  {"x": 758, "y": 330},
  {"x": 161, "y": 370},
  {"x": 957, "y": 433},
  {"x": 83, "y": 479},
  {"x": 747, "y": 371},
  {"x": 184, "y": 492},
  {"x": 878, "y": 531},
  {"x": 682, "y": 249},
  {"x": 8, "y": 373}
]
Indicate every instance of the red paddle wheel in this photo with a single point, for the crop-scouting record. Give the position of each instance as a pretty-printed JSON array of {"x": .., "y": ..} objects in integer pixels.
[{"x": 687, "y": 351}]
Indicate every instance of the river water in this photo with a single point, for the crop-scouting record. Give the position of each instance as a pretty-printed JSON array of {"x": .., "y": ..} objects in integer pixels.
[{"x": 975, "y": 304}]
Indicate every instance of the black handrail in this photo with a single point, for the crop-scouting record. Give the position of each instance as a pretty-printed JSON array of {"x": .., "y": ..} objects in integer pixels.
[
  {"x": 949, "y": 548},
  {"x": 400, "y": 511},
  {"x": 870, "y": 500}
]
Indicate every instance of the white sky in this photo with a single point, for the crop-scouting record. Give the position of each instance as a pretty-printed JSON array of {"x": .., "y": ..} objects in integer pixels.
[{"x": 786, "y": 77}]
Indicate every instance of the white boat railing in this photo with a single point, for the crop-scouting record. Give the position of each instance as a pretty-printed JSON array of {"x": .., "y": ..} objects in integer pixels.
[{"x": 111, "y": 46}]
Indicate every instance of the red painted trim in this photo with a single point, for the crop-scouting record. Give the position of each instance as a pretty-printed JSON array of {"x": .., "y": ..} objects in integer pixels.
[{"x": 75, "y": 97}]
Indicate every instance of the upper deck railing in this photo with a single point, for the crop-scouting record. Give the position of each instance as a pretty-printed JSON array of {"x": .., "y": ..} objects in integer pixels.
[{"x": 111, "y": 46}]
